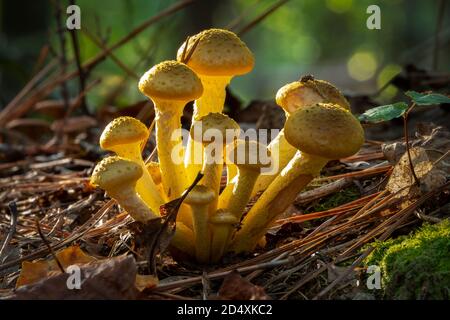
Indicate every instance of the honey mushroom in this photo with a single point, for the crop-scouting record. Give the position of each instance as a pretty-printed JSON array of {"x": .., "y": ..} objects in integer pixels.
[
  {"x": 170, "y": 85},
  {"x": 307, "y": 91},
  {"x": 125, "y": 136},
  {"x": 218, "y": 56},
  {"x": 249, "y": 157},
  {"x": 213, "y": 131},
  {"x": 222, "y": 221},
  {"x": 199, "y": 200},
  {"x": 321, "y": 132},
  {"x": 118, "y": 177}
]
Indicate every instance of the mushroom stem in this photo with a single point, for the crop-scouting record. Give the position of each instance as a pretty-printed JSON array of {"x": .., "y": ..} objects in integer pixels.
[
  {"x": 220, "y": 235},
  {"x": 118, "y": 177},
  {"x": 236, "y": 195},
  {"x": 168, "y": 122},
  {"x": 276, "y": 199},
  {"x": 222, "y": 221},
  {"x": 212, "y": 172},
  {"x": 183, "y": 239},
  {"x": 232, "y": 171},
  {"x": 213, "y": 97},
  {"x": 201, "y": 232},
  {"x": 127, "y": 198},
  {"x": 145, "y": 186},
  {"x": 199, "y": 200},
  {"x": 282, "y": 152}
]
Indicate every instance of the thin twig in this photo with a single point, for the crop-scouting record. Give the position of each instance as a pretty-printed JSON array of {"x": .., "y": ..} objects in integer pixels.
[
  {"x": 81, "y": 74},
  {"x": 49, "y": 247},
  {"x": 408, "y": 151},
  {"x": 33, "y": 81},
  {"x": 187, "y": 55},
  {"x": 439, "y": 24},
  {"x": 261, "y": 17},
  {"x": 244, "y": 13},
  {"x": 113, "y": 57},
  {"x": 186, "y": 44},
  {"x": 63, "y": 60},
  {"x": 12, "y": 229}
]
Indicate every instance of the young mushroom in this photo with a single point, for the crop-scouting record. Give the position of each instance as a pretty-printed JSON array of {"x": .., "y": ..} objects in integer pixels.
[
  {"x": 222, "y": 221},
  {"x": 217, "y": 56},
  {"x": 307, "y": 91},
  {"x": 170, "y": 85},
  {"x": 125, "y": 136},
  {"x": 249, "y": 157},
  {"x": 118, "y": 177},
  {"x": 322, "y": 132},
  {"x": 214, "y": 131},
  {"x": 199, "y": 200}
]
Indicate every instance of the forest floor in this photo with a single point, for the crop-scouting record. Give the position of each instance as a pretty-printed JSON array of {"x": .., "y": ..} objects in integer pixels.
[{"x": 50, "y": 214}]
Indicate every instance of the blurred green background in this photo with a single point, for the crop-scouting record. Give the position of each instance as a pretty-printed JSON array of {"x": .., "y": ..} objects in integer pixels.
[{"x": 326, "y": 38}]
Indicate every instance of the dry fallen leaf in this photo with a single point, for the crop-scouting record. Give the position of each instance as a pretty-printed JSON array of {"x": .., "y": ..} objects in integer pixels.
[
  {"x": 112, "y": 278},
  {"x": 401, "y": 180},
  {"x": 144, "y": 282},
  {"x": 234, "y": 287},
  {"x": 35, "y": 271}
]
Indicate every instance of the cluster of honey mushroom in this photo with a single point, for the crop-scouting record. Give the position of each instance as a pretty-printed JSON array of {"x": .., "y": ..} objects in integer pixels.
[{"x": 211, "y": 221}]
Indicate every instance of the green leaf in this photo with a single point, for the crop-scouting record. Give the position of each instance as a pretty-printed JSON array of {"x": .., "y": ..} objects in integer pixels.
[
  {"x": 384, "y": 113},
  {"x": 427, "y": 98}
]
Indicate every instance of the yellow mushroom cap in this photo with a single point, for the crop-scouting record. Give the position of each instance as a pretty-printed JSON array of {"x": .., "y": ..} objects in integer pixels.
[
  {"x": 324, "y": 129},
  {"x": 200, "y": 195},
  {"x": 249, "y": 155},
  {"x": 218, "y": 53},
  {"x": 309, "y": 91},
  {"x": 219, "y": 122},
  {"x": 113, "y": 172},
  {"x": 222, "y": 216},
  {"x": 171, "y": 80},
  {"x": 123, "y": 130}
]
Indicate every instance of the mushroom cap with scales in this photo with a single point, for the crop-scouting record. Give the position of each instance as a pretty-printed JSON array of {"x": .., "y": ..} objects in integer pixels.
[
  {"x": 218, "y": 53},
  {"x": 219, "y": 122},
  {"x": 171, "y": 80},
  {"x": 200, "y": 195},
  {"x": 113, "y": 172},
  {"x": 249, "y": 155},
  {"x": 309, "y": 91},
  {"x": 123, "y": 130},
  {"x": 222, "y": 216},
  {"x": 326, "y": 130}
]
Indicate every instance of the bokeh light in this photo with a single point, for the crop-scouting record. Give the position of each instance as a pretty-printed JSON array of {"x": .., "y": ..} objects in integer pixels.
[
  {"x": 339, "y": 6},
  {"x": 385, "y": 75},
  {"x": 362, "y": 65}
]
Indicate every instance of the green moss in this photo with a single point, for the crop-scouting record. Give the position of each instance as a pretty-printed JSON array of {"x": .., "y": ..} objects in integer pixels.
[
  {"x": 339, "y": 198},
  {"x": 416, "y": 266}
]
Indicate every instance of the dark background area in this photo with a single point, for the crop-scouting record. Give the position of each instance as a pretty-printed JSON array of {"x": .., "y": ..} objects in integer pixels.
[{"x": 327, "y": 38}]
